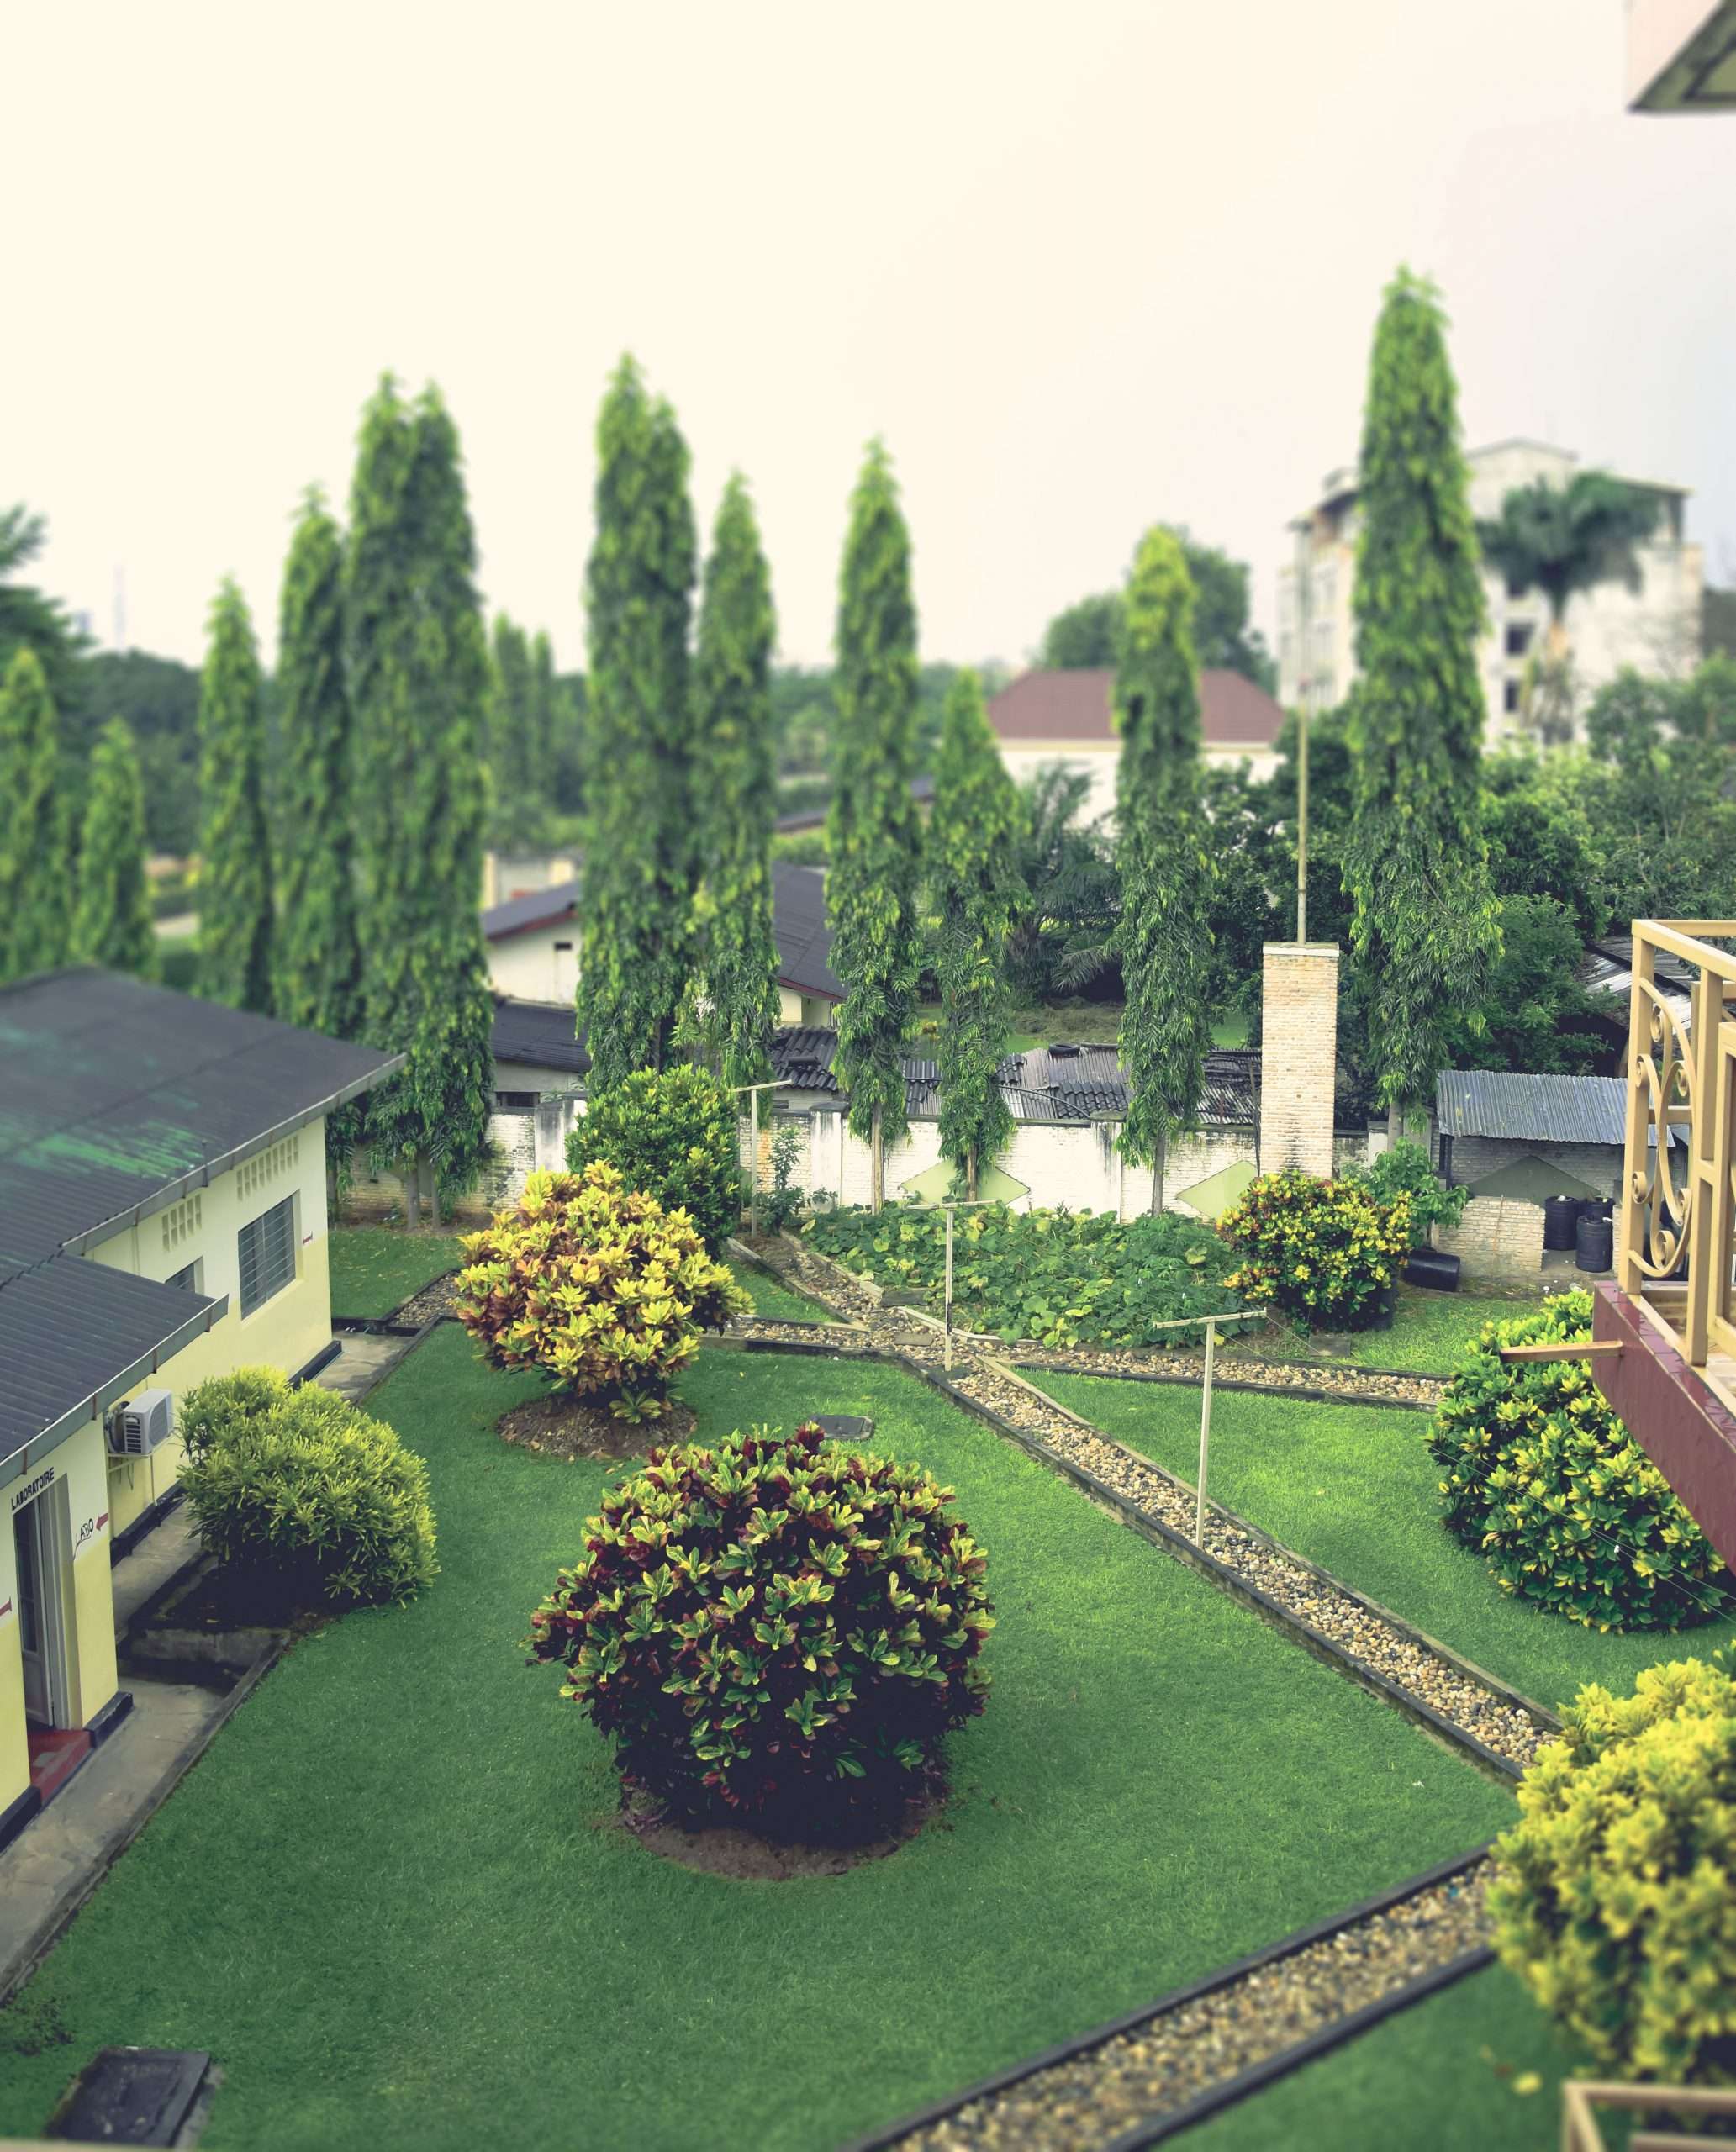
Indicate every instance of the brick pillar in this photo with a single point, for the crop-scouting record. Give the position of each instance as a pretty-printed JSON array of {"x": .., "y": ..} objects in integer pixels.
[{"x": 1299, "y": 1056}]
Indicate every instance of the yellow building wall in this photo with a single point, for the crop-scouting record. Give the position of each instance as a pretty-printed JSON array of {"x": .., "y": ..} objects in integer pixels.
[
  {"x": 86, "y": 1604},
  {"x": 286, "y": 1332},
  {"x": 14, "y": 1754}
]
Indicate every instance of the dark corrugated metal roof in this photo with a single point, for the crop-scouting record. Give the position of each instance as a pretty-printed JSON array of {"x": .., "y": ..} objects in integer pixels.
[
  {"x": 543, "y": 1034},
  {"x": 112, "y": 1091},
  {"x": 803, "y": 936},
  {"x": 71, "y": 1331},
  {"x": 1531, "y": 1109}
]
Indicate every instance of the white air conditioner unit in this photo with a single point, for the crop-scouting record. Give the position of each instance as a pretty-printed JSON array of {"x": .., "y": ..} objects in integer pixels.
[{"x": 138, "y": 1425}]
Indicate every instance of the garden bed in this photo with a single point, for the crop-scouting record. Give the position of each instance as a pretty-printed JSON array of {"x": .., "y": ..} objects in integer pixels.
[
  {"x": 442, "y": 1836},
  {"x": 1357, "y": 1491}
]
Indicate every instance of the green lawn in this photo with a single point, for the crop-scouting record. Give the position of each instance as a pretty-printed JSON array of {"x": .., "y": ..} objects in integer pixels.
[
  {"x": 391, "y": 1902},
  {"x": 1429, "y": 1332},
  {"x": 375, "y": 1268},
  {"x": 770, "y": 1298},
  {"x": 1476, "y": 2068},
  {"x": 1355, "y": 1489}
]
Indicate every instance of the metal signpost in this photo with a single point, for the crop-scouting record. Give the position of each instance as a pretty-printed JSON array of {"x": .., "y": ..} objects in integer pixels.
[
  {"x": 1210, "y": 1321},
  {"x": 753, "y": 1091}
]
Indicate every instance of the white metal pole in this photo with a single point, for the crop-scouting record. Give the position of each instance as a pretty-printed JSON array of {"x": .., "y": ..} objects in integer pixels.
[
  {"x": 1204, "y": 1433},
  {"x": 753, "y": 1169},
  {"x": 949, "y": 1289}
]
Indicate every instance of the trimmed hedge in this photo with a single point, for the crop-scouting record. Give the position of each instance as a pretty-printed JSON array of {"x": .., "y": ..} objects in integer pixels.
[
  {"x": 774, "y": 1631},
  {"x": 304, "y": 1495},
  {"x": 1326, "y": 1252},
  {"x": 1612, "y": 1896},
  {"x": 1545, "y": 1481},
  {"x": 596, "y": 1285},
  {"x": 671, "y": 1134}
]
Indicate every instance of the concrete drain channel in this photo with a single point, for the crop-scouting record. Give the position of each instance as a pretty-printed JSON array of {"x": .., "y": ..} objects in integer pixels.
[
  {"x": 139, "y": 2095},
  {"x": 1177, "y": 2061}
]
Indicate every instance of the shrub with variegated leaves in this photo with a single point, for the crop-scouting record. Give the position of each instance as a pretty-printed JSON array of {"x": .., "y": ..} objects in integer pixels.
[
  {"x": 598, "y": 1286},
  {"x": 775, "y": 1631}
]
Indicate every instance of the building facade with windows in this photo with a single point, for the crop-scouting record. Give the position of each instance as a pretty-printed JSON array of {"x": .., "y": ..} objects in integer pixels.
[
  {"x": 1656, "y": 627},
  {"x": 162, "y": 1219}
]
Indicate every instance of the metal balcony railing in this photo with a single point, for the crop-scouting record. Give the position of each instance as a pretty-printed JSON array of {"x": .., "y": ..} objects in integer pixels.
[
  {"x": 1678, "y": 1206},
  {"x": 1580, "y": 2132}
]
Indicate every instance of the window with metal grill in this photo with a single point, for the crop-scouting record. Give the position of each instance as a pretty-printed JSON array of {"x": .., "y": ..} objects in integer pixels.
[
  {"x": 187, "y": 1278},
  {"x": 266, "y": 1248}
]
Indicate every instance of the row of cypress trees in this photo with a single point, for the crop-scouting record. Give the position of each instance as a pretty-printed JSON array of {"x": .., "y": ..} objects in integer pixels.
[{"x": 361, "y": 919}]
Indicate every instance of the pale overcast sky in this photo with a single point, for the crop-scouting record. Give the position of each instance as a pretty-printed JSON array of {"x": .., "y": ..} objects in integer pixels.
[{"x": 1085, "y": 266}]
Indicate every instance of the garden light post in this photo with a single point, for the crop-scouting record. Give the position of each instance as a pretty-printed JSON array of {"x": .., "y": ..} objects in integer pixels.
[
  {"x": 753, "y": 1091},
  {"x": 1205, "y": 1432}
]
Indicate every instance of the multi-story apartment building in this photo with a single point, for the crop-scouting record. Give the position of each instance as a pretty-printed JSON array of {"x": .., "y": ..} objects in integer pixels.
[{"x": 1654, "y": 627}]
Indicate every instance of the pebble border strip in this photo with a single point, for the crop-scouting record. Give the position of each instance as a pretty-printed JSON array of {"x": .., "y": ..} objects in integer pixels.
[{"x": 1160, "y": 2069}]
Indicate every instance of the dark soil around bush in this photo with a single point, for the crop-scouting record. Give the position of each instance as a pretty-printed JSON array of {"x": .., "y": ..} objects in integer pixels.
[
  {"x": 223, "y": 1600},
  {"x": 572, "y": 1428},
  {"x": 745, "y": 1856}
]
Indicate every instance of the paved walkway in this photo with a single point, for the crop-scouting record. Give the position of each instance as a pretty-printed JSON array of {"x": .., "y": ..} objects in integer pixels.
[{"x": 360, "y": 1363}]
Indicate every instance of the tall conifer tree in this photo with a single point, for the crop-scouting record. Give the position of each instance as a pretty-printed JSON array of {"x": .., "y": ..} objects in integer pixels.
[
  {"x": 737, "y": 788},
  {"x": 973, "y": 847},
  {"x": 319, "y": 956},
  {"x": 871, "y": 838},
  {"x": 513, "y": 760},
  {"x": 1426, "y": 922},
  {"x": 543, "y": 725},
  {"x": 112, "y": 923},
  {"x": 642, "y": 845},
  {"x": 418, "y": 666},
  {"x": 1164, "y": 936},
  {"x": 234, "y": 884},
  {"x": 35, "y": 865}
]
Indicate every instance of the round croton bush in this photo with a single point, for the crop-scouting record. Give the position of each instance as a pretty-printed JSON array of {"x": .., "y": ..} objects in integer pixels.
[
  {"x": 1326, "y": 1252},
  {"x": 671, "y": 1133},
  {"x": 1542, "y": 1479},
  {"x": 776, "y": 1632},
  {"x": 1611, "y": 1895},
  {"x": 599, "y": 1287}
]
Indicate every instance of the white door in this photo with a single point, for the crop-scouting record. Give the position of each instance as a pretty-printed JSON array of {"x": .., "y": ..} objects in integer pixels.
[{"x": 36, "y": 1547}]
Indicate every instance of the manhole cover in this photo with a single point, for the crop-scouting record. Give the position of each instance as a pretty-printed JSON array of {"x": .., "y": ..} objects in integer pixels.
[
  {"x": 133, "y": 2095},
  {"x": 845, "y": 1426}
]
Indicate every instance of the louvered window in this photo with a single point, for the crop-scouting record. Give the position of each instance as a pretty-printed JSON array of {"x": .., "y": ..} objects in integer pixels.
[{"x": 266, "y": 1248}]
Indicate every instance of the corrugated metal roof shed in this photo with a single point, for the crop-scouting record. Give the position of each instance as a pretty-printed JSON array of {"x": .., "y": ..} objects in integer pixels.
[
  {"x": 541, "y": 1034},
  {"x": 1531, "y": 1109}
]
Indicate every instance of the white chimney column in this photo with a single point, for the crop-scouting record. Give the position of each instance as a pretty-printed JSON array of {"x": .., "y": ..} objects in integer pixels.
[{"x": 1299, "y": 1054}]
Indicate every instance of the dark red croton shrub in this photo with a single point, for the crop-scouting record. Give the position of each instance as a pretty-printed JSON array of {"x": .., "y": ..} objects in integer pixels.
[{"x": 774, "y": 1631}]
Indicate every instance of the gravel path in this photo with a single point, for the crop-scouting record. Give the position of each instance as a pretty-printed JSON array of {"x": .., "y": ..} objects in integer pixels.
[
  {"x": 1355, "y": 1384},
  {"x": 1181, "y": 2053},
  {"x": 434, "y": 1300}
]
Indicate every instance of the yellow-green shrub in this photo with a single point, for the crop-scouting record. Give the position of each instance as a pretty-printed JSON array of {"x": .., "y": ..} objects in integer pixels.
[
  {"x": 1327, "y": 1251},
  {"x": 1614, "y": 1898},
  {"x": 599, "y": 1287},
  {"x": 1543, "y": 1481},
  {"x": 304, "y": 1495}
]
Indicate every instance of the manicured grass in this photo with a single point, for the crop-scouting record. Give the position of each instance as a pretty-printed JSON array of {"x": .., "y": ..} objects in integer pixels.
[
  {"x": 1355, "y": 1490},
  {"x": 1476, "y": 2069},
  {"x": 375, "y": 1268},
  {"x": 391, "y": 1901},
  {"x": 770, "y": 1298},
  {"x": 1429, "y": 1332}
]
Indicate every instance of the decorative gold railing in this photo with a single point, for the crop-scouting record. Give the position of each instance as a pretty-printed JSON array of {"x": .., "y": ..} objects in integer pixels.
[
  {"x": 1580, "y": 2132},
  {"x": 1678, "y": 1206}
]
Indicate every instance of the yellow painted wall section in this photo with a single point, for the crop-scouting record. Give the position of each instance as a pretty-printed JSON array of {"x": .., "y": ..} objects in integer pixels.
[
  {"x": 286, "y": 1332},
  {"x": 91, "y": 1663},
  {"x": 14, "y": 1752}
]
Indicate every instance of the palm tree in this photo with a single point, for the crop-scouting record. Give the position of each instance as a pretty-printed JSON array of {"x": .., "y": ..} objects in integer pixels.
[{"x": 1561, "y": 540}]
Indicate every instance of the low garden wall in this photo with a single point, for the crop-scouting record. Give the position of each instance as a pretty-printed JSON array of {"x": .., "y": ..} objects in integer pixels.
[{"x": 1496, "y": 1238}]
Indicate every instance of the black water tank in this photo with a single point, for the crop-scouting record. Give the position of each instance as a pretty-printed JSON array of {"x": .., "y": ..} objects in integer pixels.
[
  {"x": 1595, "y": 1243},
  {"x": 1560, "y": 1215},
  {"x": 1428, "y": 1266}
]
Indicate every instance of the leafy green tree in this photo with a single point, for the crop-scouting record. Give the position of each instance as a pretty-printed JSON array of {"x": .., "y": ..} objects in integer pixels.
[
  {"x": 1425, "y": 927},
  {"x": 642, "y": 850},
  {"x": 738, "y": 948},
  {"x": 1087, "y": 634},
  {"x": 30, "y": 620},
  {"x": 512, "y": 762},
  {"x": 1062, "y": 935},
  {"x": 1537, "y": 1020},
  {"x": 112, "y": 924},
  {"x": 319, "y": 953},
  {"x": 234, "y": 860},
  {"x": 972, "y": 857},
  {"x": 159, "y": 699},
  {"x": 34, "y": 834},
  {"x": 1563, "y": 540},
  {"x": 417, "y": 667},
  {"x": 1164, "y": 933},
  {"x": 871, "y": 832}
]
